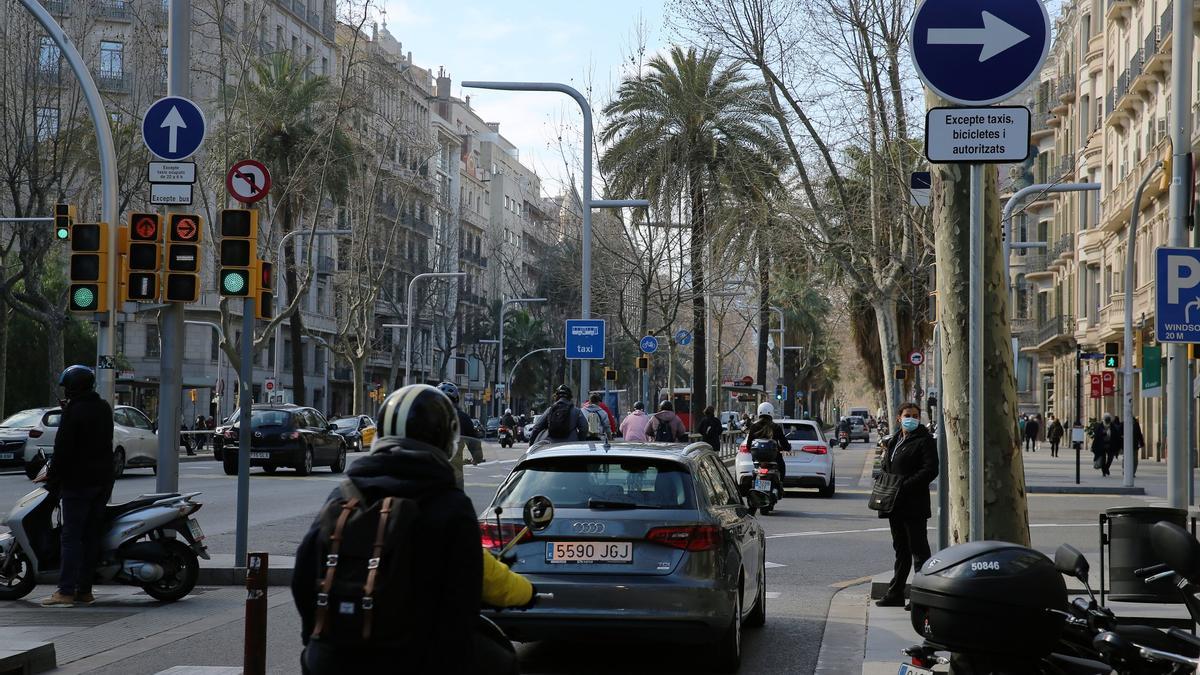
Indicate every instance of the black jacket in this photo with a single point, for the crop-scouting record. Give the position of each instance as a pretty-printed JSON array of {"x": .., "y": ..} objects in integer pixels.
[
  {"x": 915, "y": 457},
  {"x": 448, "y": 573},
  {"x": 83, "y": 446},
  {"x": 710, "y": 429},
  {"x": 765, "y": 427}
]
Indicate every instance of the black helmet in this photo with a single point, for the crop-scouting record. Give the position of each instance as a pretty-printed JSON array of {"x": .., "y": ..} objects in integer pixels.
[
  {"x": 450, "y": 390},
  {"x": 666, "y": 405},
  {"x": 77, "y": 379},
  {"x": 421, "y": 413},
  {"x": 563, "y": 391}
]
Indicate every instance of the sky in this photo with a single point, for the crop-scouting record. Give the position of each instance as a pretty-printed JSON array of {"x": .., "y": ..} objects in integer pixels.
[{"x": 575, "y": 42}]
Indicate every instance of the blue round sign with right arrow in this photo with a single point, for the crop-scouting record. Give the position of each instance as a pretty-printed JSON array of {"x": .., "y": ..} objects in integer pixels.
[{"x": 979, "y": 52}]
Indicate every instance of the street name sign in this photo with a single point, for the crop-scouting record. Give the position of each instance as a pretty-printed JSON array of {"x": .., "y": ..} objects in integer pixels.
[
  {"x": 1177, "y": 294},
  {"x": 171, "y": 172},
  {"x": 248, "y": 181},
  {"x": 649, "y": 344},
  {"x": 173, "y": 127},
  {"x": 977, "y": 135},
  {"x": 170, "y": 194},
  {"x": 585, "y": 339},
  {"x": 979, "y": 52}
]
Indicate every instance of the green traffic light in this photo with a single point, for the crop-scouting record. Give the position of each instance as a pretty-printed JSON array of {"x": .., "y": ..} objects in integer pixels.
[
  {"x": 62, "y": 233},
  {"x": 83, "y": 298},
  {"x": 234, "y": 282}
]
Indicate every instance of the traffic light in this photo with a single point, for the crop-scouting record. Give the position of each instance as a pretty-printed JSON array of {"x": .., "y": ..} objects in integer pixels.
[
  {"x": 265, "y": 308},
  {"x": 182, "y": 279},
  {"x": 900, "y": 374},
  {"x": 610, "y": 375},
  {"x": 88, "y": 290},
  {"x": 643, "y": 363},
  {"x": 780, "y": 392},
  {"x": 64, "y": 216},
  {"x": 142, "y": 244},
  {"x": 1111, "y": 354},
  {"x": 239, "y": 246}
]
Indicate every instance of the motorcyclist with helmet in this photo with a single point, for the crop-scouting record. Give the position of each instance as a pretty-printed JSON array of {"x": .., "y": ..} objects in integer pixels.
[
  {"x": 82, "y": 472},
  {"x": 470, "y": 438},
  {"x": 418, "y": 433},
  {"x": 765, "y": 427},
  {"x": 561, "y": 422}
]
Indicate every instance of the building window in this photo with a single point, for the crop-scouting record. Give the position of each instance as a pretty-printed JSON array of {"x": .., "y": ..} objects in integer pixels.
[
  {"x": 120, "y": 338},
  {"x": 151, "y": 341},
  {"x": 214, "y": 345},
  {"x": 47, "y": 123},
  {"x": 287, "y": 353},
  {"x": 112, "y": 60},
  {"x": 48, "y": 56}
]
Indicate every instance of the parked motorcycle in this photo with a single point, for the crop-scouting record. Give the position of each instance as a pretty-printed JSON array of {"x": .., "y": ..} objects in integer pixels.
[
  {"x": 151, "y": 542},
  {"x": 506, "y": 437},
  {"x": 766, "y": 478}
]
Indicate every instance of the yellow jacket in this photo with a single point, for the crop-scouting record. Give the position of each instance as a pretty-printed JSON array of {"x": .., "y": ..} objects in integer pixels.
[{"x": 501, "y": 586}]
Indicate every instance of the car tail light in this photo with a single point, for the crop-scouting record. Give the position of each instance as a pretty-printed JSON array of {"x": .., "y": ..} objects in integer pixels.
[
  {"x": 230, "y": 433},
  {"x": 764, "y": 470},
  {"x": 35, "y": 433},
  {"x": 744, "y": 448},
  {"x": 922, "y": 662},
  {"x": 815, "y": 449},
  {"x": 687, "y": 537},
  {"x": 290, "y": 436},
  {"x": 494, "y": 538}
]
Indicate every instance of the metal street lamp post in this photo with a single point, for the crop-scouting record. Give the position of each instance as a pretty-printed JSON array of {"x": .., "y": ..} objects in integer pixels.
[
  {"x": 409, "y": 315},
  {"x": 500, "y": 356},
  {"x": 588, "y": 202}
]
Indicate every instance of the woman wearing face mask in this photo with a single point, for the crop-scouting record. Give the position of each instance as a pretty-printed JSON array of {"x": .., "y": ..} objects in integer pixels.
[{"x": 912, "y": 453}]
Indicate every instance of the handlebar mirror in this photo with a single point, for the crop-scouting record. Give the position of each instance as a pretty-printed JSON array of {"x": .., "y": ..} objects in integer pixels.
[
  {"x": 1068, "y": 560},
  {"x": 538, "y": 513}
]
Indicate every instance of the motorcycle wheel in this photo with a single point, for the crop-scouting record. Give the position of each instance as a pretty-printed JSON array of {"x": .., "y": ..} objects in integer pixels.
[
  {"x": 19, "y": 581},
  {"x": 181, "y": 570}
]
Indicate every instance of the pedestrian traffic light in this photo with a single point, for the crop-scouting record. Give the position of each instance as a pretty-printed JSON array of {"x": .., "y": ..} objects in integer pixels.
[
  {"x": 141, "y": 243},
  {"x": 64, "y": 216},
  {"x": 1111, "y": 354},
  {"x": 265, "y": 308},
  {"x": 239, "y": 246},
  {"x": 182, "y": 280},
  {"x": 88, "y": 289},
  {"x": 610, "y": 375},
  {"x": 901, "y": 374},
  {"x": 643, "y": 363}
]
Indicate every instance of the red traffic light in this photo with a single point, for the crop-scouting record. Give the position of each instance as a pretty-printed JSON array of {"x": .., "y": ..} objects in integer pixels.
[
  {"x": 145, "y": 227},
  {"x": 266, "y": 274}
]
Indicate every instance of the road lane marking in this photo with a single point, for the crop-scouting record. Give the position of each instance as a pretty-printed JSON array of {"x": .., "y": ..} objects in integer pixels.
[
  {"x": 851, "y": 582},
  {"x": 773, "y": 595},
  {"x": 770, "y": 564},
  {"x": 818, "y": 533}
]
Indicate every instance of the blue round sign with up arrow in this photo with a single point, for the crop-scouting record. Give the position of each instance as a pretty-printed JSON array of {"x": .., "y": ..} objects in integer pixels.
[
  {"x": 173, "y": 127},
  {"x": 979, "y": 52}
]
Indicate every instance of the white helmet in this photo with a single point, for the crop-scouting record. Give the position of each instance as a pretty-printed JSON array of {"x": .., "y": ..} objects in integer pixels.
[
  {"x": 508, "y": 411},
  {"x": 766, "y": 409}
]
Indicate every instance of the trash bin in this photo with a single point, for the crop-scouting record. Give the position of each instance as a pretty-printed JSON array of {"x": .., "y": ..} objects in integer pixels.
[{"x": 1130, "y": 549}]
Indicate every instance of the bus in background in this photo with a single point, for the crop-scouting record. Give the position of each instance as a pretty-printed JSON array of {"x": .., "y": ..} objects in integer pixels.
[{"x": 682, "y": 399}]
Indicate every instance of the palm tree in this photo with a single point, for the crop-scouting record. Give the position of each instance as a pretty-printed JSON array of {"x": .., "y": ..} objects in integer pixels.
[
  {"x": 683, "y": 135},
  {"x": 307, "y": 153}
]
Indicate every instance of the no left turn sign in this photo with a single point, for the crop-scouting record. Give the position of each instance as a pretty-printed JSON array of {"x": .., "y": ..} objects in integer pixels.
[
  {"x": 916, "y": 358},
  {"x": 248, "y": 181}
]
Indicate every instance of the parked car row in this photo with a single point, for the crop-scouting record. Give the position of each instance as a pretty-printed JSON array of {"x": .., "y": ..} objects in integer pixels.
[{"x": 135, "y": 441}]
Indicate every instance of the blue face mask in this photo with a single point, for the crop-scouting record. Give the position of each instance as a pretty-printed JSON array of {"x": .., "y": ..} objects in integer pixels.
[{"x": 909, "y": 423}]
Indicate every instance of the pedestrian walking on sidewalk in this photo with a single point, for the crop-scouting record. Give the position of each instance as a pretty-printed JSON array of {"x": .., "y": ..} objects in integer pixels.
[
  {"x": 1031, "y": 433},
  {"x": 1106, "y": 439},
  {"x": 1139, "y": 442},
  {"x": 1021, "y": 422},
  {"x": 82, "y": 474},
  {"x": 1054, "y": 434},
  {"x": 911, "y": 453}
]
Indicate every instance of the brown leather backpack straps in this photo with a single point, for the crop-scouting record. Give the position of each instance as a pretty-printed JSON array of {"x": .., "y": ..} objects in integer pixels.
[
  {"x": 331, "y": 562},
  {"x": 368, "y": 602}
]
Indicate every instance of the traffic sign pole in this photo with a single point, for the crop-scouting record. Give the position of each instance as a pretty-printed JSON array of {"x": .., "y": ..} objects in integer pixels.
[{"x": 975, "y": 350}]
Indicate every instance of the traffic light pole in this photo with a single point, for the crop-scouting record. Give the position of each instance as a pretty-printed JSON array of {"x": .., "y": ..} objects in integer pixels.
[
  {"x": 246, "y": 402},
  {"x": 107, "y": 154},
  {"x": 171, "y": 328}
]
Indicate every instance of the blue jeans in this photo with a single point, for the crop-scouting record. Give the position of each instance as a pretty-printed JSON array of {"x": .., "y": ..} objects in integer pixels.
[{"x": 82, "y": 528}]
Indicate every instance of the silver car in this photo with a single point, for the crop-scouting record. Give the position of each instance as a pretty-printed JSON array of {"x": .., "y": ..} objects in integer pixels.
[
  {"x": 809, "y": 464},
  {"x": 648, "y": 541}
]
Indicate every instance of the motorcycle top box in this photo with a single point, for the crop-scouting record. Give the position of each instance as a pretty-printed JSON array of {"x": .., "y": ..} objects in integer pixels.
[{"x": 989, "y": 597}]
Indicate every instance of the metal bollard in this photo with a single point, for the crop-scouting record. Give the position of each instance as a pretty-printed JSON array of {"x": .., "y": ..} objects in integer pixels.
[{"x": 255, "y": 658}]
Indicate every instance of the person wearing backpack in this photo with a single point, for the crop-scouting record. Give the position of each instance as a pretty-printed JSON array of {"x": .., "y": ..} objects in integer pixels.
[
  {"x": 389, "y": 578},
  {"x": 665, "y": 426},
  {"x": 562, "y": 421},
  {"x": 600, "y": 424},
  {"x": 765, "y": 427}
]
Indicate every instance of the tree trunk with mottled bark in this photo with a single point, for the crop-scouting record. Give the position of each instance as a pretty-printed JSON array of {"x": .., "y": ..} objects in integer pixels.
[{"x": 1006, "y": 512}]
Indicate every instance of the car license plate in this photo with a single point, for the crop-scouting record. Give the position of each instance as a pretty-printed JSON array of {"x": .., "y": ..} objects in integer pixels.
[
  {"x": 194, "y": 526},
  {"x": 906, "y": 669},
  {"x": 589, "y": 552},
  {"x": 6, "y": 455},
  {"x": 762, "y": 485},
  {"x": 260, "y": 455}
]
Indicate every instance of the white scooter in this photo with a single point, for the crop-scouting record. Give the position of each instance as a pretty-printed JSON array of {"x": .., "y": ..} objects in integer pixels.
[{"x": 151, "y": 542}]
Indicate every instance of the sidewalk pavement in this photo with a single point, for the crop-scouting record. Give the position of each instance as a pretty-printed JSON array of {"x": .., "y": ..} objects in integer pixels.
[{"x": 1046, "y": 474}]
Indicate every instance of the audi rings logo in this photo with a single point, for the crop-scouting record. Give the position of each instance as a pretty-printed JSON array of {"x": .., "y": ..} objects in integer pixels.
[
  {"x": 587, "y": 527},
  {"x": 258, "y": 434}
]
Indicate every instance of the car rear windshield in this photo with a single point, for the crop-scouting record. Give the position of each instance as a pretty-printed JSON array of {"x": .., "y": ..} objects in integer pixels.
[
  {"x": 348, "y": 423},
  {"x": 270, "y": 418},
  {"x": 25, "y": 418},
  {"x": 799, "y": 432},
  {"x": 608, "y": 483}
]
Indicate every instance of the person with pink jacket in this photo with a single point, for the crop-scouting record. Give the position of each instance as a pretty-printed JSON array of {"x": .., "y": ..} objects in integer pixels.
[{"x": 633, "y": 427}]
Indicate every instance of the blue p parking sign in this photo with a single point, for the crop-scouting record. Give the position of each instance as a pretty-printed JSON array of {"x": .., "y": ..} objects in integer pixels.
[{"x": 1177, "y": 294}]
